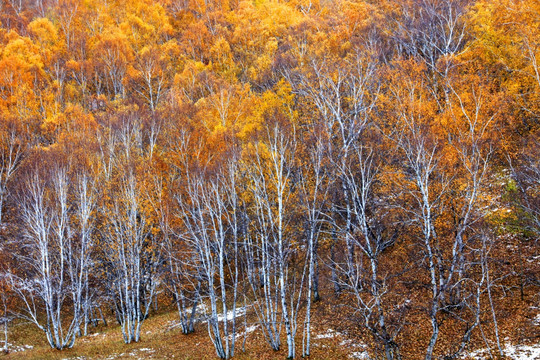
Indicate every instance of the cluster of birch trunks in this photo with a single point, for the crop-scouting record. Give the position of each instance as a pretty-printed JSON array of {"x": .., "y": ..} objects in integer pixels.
[
  {"x": 240, "y": 233},
  {"x": 374, "y": 203}
]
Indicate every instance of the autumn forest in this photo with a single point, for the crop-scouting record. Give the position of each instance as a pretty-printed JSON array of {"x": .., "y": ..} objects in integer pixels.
[{"x": 271, "y": 173}]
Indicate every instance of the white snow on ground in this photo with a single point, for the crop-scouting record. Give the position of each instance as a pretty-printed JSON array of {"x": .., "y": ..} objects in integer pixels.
[
  {"x": 514, "y": 352},
  {"x": 348, "y": 342},
  {"x": 249, "y": 330},
  {"x": 201, "y": 308},
  {"x": 534, "y": 259},
  {"x": 360, "y": 355},
  {"x": 329, "y": 334},
  {"x": 86, "y": 338},
  {"x": 536, "y": 320},
  {"x": 146, "y": 353},
  {"x": 240, "y": 311},
  {"x": 173, "y": 324},
  {"x": 114, "y": 356},
  {"x": 16, "y": 348},
  {"x": 523, "y": 352},
  {"x": 204, "y": 310},
  {"x": 352, "y": 343}
]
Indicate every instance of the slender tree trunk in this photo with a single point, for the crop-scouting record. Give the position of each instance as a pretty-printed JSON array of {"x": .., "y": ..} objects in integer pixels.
[
  {"x": 485, "y": 265},
  {"x": 316, "y": 294},
  {"x": 5, "y": 325},
  {"x": 334, "y": 272},
  {"x": 311, "y": 276}
]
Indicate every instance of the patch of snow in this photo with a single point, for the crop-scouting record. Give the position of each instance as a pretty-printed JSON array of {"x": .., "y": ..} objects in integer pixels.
[
  {"x": 17, "y": 348},
  {"x": 240, "y": 311},
  {"x": 352, "y": 343},
  {"x": 114, "y": 356},
  {"x": 173, "y": 324},
  {"x": 202, "y": 308},
  {"x": 249, "y": 329},
  {"x": 514, "y": 352},
  {"x": 360, "y": 355},
  {"x": 349, "y": 343},
  {"x": 346, "y": 342},
  {"x": 523, "y": 352},
  {"x": 88, "y": 337},
  {"x": 329, "y": 334},
  {"x": 477, "y": 355},
  {"x": 137, "y": 352},
  {"x": 536, "y": 320}
]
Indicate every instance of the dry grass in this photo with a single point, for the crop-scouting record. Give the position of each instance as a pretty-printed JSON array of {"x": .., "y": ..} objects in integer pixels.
[{"x": 159, "y": 340}]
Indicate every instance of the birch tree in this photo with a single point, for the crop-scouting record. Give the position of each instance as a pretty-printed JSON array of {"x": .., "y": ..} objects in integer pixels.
[
  {"x": 133, "y": 256},
  {"x": 373, "y": 228},
  {"x": 82, "y": 254},
  {"x": 5, "y": 319},
  {"x": 208, "y": 211},
  {"x": 12, "y": 151},
  {"x": 151, "y": 77},
  {"x": 314, "y": 185},
  {"x": 343, "y": 91},
  {"x": 181, "y": 277},
  {"x": 436, "y": 192},
  {"x": 57, "y": 246},
  {"x": 276, "y": 286}
]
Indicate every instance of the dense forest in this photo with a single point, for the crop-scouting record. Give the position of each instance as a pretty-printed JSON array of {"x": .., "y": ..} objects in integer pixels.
[{"x": 372, "y": 163}]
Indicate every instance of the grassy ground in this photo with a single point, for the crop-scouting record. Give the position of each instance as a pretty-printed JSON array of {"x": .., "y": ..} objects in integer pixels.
[{"x": 161, "y": 340}]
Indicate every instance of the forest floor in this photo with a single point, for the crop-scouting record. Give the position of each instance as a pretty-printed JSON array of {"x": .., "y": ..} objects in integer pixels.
[{"x": 161, "y": 338}]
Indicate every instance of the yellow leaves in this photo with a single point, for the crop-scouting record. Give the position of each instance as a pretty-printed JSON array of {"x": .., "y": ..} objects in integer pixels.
[
  {"x": 146, "y": 23},
  {"x": 135, "y": 27},
  {"x": 222, "y": 58},
  {"x": 256, "y": 30},
  {"x": 20, "y": 66},
  {"x": 69, "y": 123},
  {"x": 43, "y": 30},
  {"x": 187, "y": 82},
  {"x": 113, "y": 38},
  {"x": 224, "y": 107},
  {"x": 507, "y": 32},
  {"x": 170, "y": 49},
  {"x": 22, "y": 50},
  {"x": 262, "y": 65},
  {"x": 277, "y": 17},
  {"x": 170, "y": 56},
  {"x": 360, "y": 15}
]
